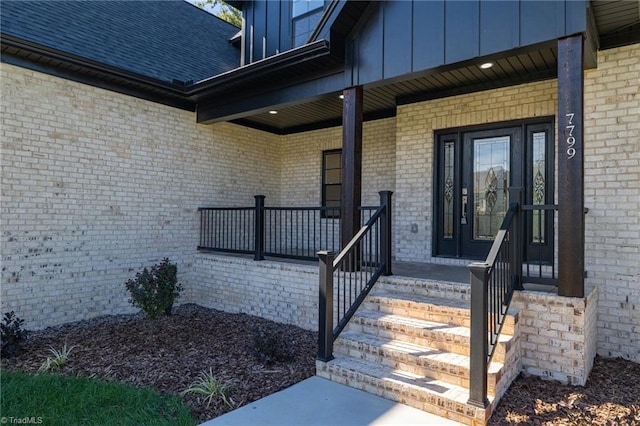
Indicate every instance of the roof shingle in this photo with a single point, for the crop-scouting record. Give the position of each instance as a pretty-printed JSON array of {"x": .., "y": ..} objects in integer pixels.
[{"x": 166, "y": 40}]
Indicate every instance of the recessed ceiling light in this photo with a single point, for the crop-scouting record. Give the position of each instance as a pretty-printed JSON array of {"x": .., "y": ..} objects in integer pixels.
[
  {"x": 341, "y": 96},
  {"x": 486, "y": 65},
  {"x": 273, "y": 111}
]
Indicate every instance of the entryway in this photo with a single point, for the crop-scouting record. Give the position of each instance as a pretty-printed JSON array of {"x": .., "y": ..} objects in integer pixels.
[{"x": 475, "y": 169}]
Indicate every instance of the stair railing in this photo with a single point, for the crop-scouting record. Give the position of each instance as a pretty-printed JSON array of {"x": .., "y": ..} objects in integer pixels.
[
  {"x": 347, "y": 278},
  {"x": 492, "y": 285}
]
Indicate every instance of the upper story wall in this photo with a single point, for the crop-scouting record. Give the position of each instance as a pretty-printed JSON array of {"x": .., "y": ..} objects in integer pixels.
[
  {"x": 269, "y": 26},
  {"x": 397, "y": 37},
  {"x": 402, "y": 37}
]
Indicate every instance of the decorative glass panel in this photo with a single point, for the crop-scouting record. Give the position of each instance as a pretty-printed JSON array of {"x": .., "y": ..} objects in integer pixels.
[
  {"x": 538, "y": 185},
  {"x": 490, "y": 184},
  {"x": 447, "y": 202}
]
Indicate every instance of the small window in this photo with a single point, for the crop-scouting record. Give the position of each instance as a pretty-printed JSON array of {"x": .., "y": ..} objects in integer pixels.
[
  {"x": 305, "y": 16},
  {"x": 331, "y": 181}
]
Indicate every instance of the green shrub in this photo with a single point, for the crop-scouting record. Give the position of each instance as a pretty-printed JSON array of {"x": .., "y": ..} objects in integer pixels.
[
  {"x": 270, "y": 347},
  {"x": 155, "y": 289},
  {"x": 12, "y": 336}
]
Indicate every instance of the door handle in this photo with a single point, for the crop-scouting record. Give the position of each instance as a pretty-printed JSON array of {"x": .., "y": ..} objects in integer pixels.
[{"x": 463, "y": 218}]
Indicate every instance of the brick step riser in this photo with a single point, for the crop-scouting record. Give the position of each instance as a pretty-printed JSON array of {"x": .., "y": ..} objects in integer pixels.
[
  {"x": 413, "y": 397},
  {"x": 449, "y": 373},
  {"x": 435, "y": 339},
  {"x": 427, "y": 289},
  {"x": 428, "y": 312}
]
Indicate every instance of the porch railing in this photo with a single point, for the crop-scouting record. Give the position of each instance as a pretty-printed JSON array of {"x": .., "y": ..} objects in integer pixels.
[
  {"x": 288, "y": 232},
  {"x": 347, "y": 278},
  {"x": 492, "y": 285},
  {"x": 539, "y": 266}
]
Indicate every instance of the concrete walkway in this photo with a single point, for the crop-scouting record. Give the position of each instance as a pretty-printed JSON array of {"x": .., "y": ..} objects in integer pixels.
[{"x": 320, "y": 402}]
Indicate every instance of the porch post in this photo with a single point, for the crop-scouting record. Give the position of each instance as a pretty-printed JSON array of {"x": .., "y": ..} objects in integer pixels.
[
  {"x": 351, "y": 162},
  {"x": 570, "y": 167},
  {"x": 259, "y": 228},
  {"x": 325, "y": 305}
]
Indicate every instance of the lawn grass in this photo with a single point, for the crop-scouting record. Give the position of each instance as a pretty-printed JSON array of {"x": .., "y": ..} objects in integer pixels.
[{"x": 60, "y": 400}]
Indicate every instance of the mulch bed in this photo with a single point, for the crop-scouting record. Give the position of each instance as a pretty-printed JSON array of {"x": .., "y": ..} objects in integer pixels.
[
  {"x": 171, "y": 352},
  {"x": 610, "y": 397}
]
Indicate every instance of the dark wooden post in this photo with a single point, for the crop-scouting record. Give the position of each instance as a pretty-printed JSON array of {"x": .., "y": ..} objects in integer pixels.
[
  {"x": 259, "y": 228},
  {"x": 479, "y": 351},
  {"x": 325, "y": 306},
  {"x": 385, "y": 231},
  {"x": 570, "y": 167},
  {"x": 351, "y": 162}
]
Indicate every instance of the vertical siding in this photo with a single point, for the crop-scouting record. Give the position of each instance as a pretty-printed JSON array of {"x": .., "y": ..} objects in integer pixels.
[
  {"x": 396, "y": 61},
  {"x": 499, "y": 26},
  {"x": 541, "y": 21},
  {"x": 462, "y": 25},
  {"x": 398, "y": 37},
  {"x": 427, "y": 45}
]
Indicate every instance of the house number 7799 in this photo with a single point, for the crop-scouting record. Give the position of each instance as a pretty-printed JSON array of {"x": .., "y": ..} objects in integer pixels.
[{"x": 571, "y": 140}]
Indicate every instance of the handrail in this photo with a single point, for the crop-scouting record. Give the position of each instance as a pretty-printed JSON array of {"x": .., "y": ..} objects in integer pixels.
[
  {"x": 492, "y": 285},
  {"x": 356, "y": 269}
]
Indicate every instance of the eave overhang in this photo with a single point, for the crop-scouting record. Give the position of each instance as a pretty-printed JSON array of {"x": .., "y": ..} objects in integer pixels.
[
  {"x": 261, "y": 72},
  {"x": 45, "y": 59}
]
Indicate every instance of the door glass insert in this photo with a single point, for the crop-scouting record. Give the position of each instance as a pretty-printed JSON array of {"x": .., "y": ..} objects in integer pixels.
[
  {"x": 447, "y": 191},
  {"x": 538, "y": 185},
  {"x": 490, "y": 185}
]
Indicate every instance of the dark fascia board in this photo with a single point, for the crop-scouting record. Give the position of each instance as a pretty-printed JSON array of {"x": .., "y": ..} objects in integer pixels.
[
  {"x": 48, "y": 52},
  {"x": 97, "y": 81},
  {"x": 240, "y": 105},
  {"x": 325, "y": 124},
  {"x": 257, "y": 70}
]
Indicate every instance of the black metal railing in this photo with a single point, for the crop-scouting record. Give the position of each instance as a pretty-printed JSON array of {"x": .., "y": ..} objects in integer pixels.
[
  {"x": 347, "y": 278},
  {"x": 287, "y": 232},
  {"x": 227, "y": 229},
  {"x": 539, "y": 265},
  {"x": 492, "y": 285},
  {"x": 300, "y": 232}
]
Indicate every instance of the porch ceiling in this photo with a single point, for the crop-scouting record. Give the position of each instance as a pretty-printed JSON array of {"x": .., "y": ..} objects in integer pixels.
[
  {"x": 615, "y": 23},
  {"x": 381, "y": 100}
]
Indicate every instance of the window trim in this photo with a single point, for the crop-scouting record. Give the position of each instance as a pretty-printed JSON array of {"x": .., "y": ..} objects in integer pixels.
[{"x": 306, "y": 15}]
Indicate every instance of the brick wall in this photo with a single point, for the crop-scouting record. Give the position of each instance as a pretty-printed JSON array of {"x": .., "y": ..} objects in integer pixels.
[
  {"x": 416, "y": 124},
  {"x": 96, "y": 185},
  {"x": 612, "y": 194},
  {"x": 557, "y": 335},
  {"x": 302, "y": 162},
  {"x": 282, "y": 292}
]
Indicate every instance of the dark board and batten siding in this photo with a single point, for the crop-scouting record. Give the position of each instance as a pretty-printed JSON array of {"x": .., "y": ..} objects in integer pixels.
[{"x": 403, "y": 37}]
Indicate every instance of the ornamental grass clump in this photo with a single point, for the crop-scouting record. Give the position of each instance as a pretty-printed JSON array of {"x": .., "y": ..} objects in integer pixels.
[{"x": 155, "y": 289}]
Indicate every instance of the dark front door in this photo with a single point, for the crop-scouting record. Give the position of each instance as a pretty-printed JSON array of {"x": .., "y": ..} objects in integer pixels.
[{"x": 474, "y": 170}]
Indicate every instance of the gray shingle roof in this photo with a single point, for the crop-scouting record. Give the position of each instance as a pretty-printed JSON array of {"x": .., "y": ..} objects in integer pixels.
[{"x": 166, "y": 40}]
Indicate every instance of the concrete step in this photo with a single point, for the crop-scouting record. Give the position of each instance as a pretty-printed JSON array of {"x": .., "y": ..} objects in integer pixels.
[
  {"x": 425, "y": 393},
  {"x": 424, "y": 287},
  {"x": 415, "y": 359},
  {"x": 435, "y": 309},
  {"x": 436, "y": 335}
]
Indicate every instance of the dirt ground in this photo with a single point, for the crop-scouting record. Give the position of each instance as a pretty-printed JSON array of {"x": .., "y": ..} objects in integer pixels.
[{"x": 169, "y": 355}]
